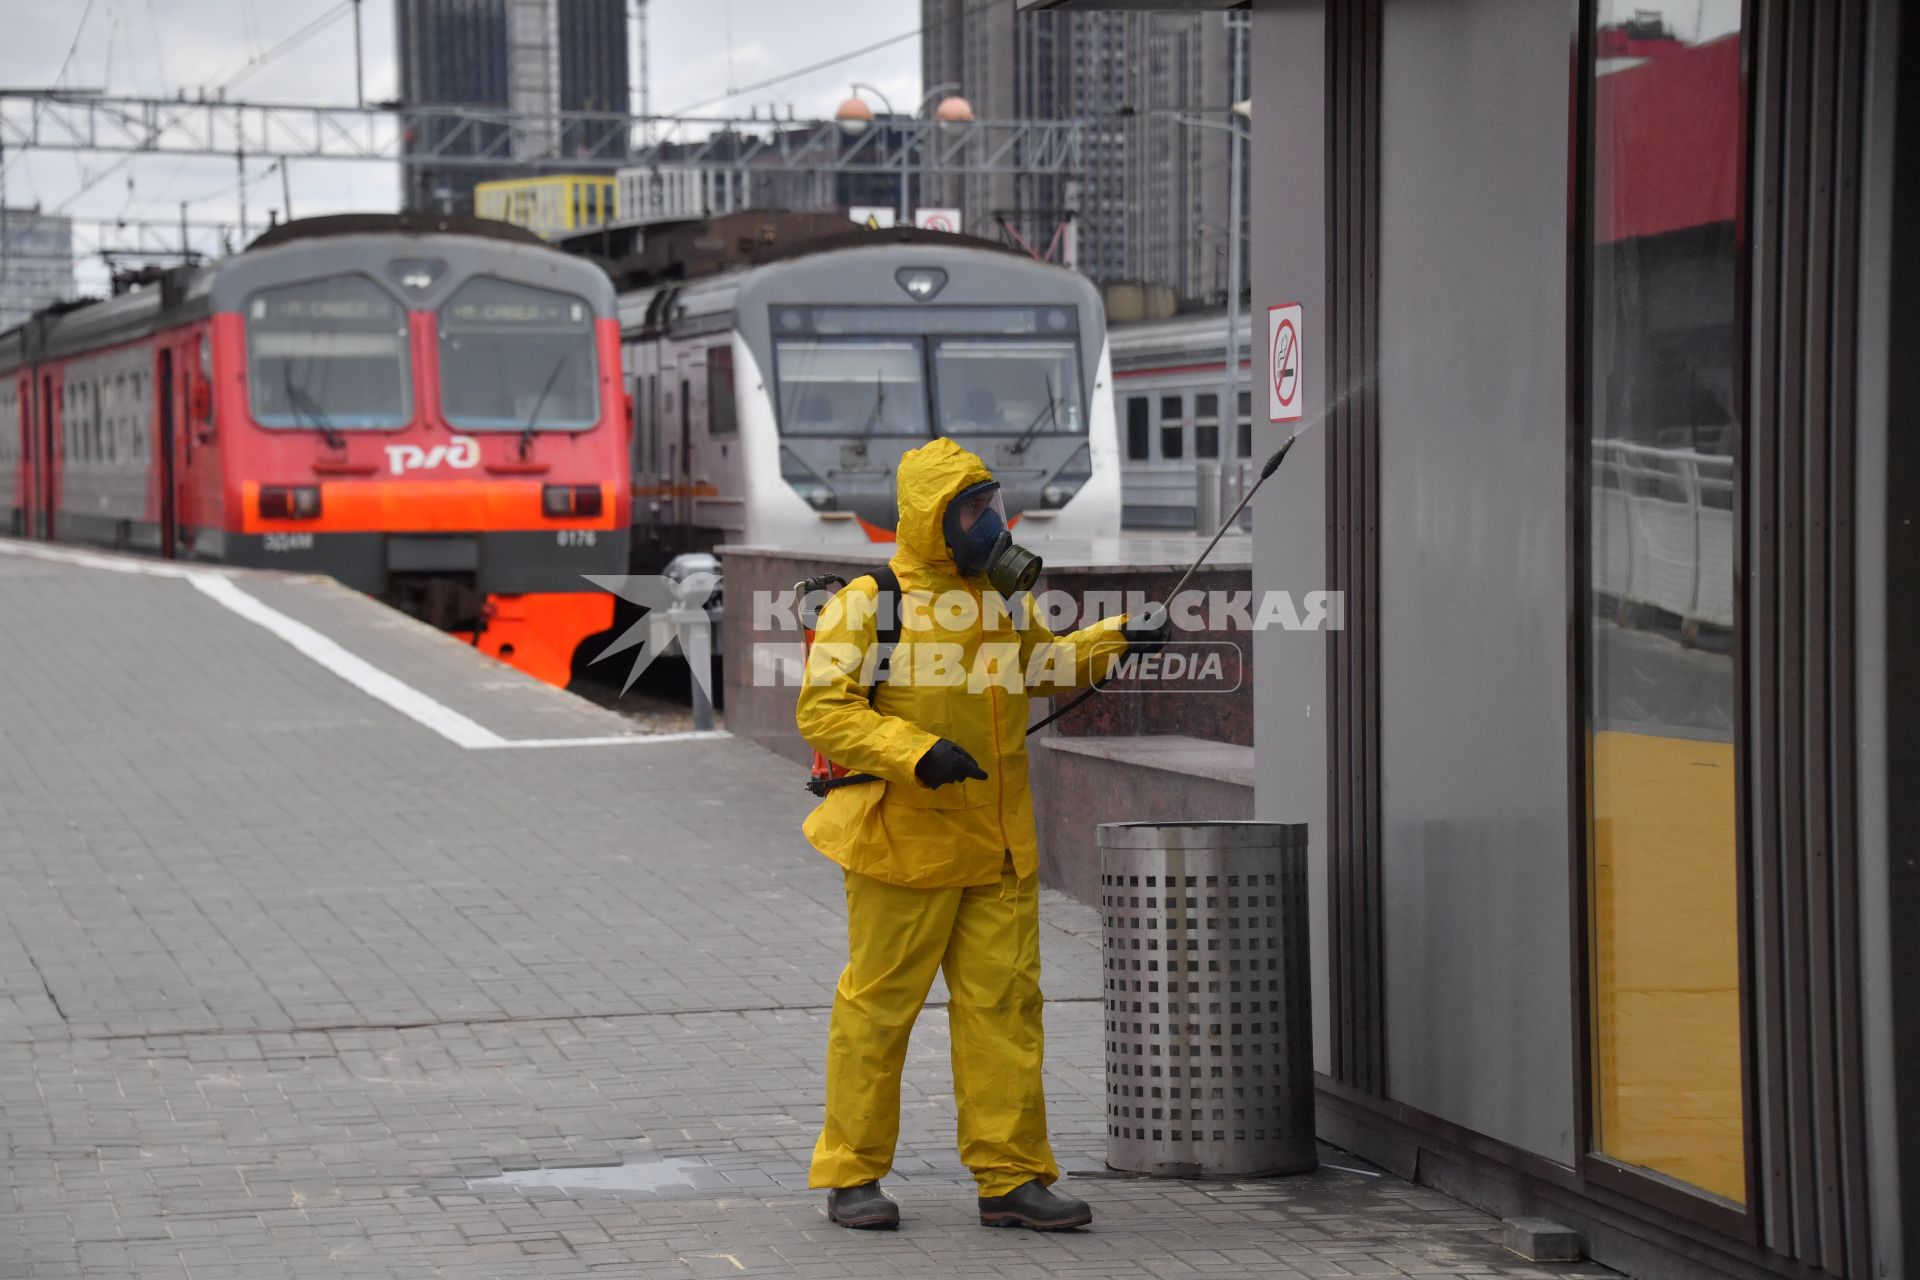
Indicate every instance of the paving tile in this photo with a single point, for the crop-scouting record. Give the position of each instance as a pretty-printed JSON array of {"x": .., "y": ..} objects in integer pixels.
[{"x": 285, "y": 978}]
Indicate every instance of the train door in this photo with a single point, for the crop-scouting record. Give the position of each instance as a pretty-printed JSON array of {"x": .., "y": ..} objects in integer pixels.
[
  {"x": 50, "y": 451},
  {"x": 636, "y": 440},
  {"x": 683, "y": 480},
  {"x": 13, "y": 448},
  {"x": 29, "y": 458},
  {"x": 164, "y": 455},
  {"x": 186, "y": 497},
  {"x": 651, "y": 462}
]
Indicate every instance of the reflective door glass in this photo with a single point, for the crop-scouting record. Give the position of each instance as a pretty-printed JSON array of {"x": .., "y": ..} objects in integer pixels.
[{"x": 1664, "y": 425}]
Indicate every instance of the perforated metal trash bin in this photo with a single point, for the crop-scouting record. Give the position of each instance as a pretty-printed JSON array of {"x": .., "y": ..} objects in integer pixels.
[{"x": 1208, "y": 1023}]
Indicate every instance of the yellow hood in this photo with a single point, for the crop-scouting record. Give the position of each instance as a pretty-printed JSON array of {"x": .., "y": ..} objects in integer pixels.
[{"x": 929, "y": 478}]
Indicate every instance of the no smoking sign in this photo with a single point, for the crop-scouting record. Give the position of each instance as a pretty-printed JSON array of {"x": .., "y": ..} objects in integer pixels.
[{"x": 1286, "y": 368}]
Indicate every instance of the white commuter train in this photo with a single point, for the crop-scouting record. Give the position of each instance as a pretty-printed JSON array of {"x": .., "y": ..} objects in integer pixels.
[
  {"x": 773, "y": 402},
  {"x": 1166, "y": 391}
]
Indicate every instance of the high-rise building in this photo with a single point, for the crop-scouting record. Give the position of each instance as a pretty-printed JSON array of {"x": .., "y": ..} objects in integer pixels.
[
  {"x": 36, "y": 262},
  {"x": 539, "y": 58},
  {"x": 1150, "y": 205}
]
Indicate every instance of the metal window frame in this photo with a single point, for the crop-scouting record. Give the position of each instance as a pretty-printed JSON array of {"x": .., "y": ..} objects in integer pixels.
[
  {"x": 1797, "y": 268},
  {"x": 1355, "y": 946}
]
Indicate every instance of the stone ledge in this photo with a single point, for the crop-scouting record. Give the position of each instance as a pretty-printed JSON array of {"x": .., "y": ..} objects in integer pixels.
[
  {"x": 1171, "y": 752},
  {"x": 1131, "y": 553}
]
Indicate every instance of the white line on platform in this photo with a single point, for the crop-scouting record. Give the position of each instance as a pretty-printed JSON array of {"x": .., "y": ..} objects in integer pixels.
[
  {"x": 329, "y": 653},
  {"x": 615, "y": 740},
  {"x": 100, "y": 560},
  {"x": 352, "y": 668}
]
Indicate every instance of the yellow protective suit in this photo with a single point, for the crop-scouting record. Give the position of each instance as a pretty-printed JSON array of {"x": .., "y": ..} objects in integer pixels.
[
  {"x": 942, "y": 879},
  {"x": 964, "y": 679}
]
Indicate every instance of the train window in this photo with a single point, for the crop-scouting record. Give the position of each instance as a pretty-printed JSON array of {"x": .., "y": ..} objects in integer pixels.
[
  {"x": 991, "y": 386},
  {"x": 97, "y": 426},
  {"x": 73, "y": 443},
  {"x": 136, "y": 418},
  {"x": 653, "y": 422},
  {"x": 851, "y": 387},
  {"x": 1206, "y": 426},
  {"x": 328, "y": 353},
  {"x": 1139, "y": 431},
  {"x": 1173, "y": 427},
  {"x": 513, "y": 357},
  {"x": 722, "y": 419},
  {"x": 686, "y": 424},
  {"x": 1246, "y": 424},
  {"x": 642, "y": 427}
]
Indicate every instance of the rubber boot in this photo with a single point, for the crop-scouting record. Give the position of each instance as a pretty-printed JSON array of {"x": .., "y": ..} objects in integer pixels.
[
  {"x": 865, "y": 1207},
  {"x": 1035, "y": 1206}
]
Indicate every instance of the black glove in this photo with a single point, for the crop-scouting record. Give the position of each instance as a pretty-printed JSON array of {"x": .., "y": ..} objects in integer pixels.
[
  {"x": 946, "y": 762},
  {"x": 1149, "y": 631}
]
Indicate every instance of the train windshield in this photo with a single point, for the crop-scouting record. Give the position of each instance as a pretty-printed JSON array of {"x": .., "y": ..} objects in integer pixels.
[
  {"x": 516, "y": 358},
  {"x": 926, "y": 371},
  {"x": 858, "y": 386},
  {"x": 328, "y": 354},
  {"x": 1008, "y": 387}
]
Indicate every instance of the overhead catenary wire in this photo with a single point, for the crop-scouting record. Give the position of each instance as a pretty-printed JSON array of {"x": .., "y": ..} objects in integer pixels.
[
  {"x": 73, "y": 46},
  {"x": 247, "y": 68},
  {"x": 265, "y": 56},
  {"x": 253, "y": 179},
  {"x": 741, "y": 90},
  {"x": 321, "y": 21}
]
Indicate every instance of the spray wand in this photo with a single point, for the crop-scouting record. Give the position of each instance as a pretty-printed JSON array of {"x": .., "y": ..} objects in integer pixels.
[
  {"x": 821, "y": 787},
  {"x": 1273, "y": 465}
]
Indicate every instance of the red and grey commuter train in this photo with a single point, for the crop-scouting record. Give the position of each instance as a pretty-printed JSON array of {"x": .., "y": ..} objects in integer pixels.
[{"x": 429, "y": 410}]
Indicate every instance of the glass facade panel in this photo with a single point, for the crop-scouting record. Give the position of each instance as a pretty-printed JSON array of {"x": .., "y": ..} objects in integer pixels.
[{"x": 1664, "y": 421}]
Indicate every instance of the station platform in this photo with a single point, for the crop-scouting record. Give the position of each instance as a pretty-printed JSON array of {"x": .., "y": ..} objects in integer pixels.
[{"x": 330, "y": 947}]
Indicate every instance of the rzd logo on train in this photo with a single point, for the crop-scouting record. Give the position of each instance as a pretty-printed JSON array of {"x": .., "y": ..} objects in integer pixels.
[{"x": 462, "y": 455}]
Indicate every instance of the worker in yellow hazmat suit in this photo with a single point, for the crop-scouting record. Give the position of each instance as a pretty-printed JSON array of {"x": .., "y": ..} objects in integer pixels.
[{"x": 940, "y": 856}]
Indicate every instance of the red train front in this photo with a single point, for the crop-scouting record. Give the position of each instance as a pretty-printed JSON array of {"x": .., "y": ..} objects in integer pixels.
[{"x": 429, "y": 411}]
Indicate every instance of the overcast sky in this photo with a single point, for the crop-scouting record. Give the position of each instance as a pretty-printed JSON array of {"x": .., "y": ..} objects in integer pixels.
[{"x": 699, "y": 49}]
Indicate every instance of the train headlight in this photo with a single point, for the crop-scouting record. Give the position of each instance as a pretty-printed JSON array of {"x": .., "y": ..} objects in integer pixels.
[
  {"x": 820, "y": 497},
  {"x": 570, "y": 499},
  {"x": 416, "y": 275},
  {"x": 921, "y": 283},
  {"x": 290, "y": 502}
]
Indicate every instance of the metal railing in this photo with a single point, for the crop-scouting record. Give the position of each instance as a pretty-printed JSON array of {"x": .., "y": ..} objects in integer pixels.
[{"x": 1663, "y": 530}]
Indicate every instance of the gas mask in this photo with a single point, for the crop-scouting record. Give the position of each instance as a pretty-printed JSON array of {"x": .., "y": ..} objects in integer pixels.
[{"x": 976, "y": 530}]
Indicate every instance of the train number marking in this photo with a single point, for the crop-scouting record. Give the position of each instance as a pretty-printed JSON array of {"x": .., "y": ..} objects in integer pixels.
[
  {"x": 462, "y": 455},
  {"x": 282, "y": 542},
  {"x": 575, "y": 537}
]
